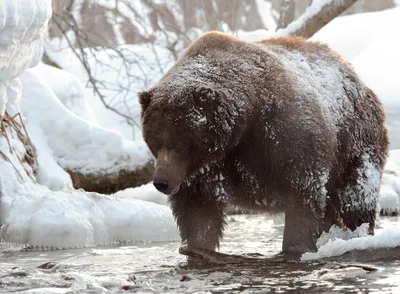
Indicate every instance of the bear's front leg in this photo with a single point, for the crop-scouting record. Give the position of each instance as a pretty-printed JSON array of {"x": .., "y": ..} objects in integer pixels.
[
  {"x": 200, "y": 218},
  {"x": 302, "y": 229}
]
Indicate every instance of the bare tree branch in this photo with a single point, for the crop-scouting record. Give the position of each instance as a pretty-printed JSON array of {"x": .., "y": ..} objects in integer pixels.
[
  {"x": 81, "y": 54},
  {"x": 315, "y": 17}
]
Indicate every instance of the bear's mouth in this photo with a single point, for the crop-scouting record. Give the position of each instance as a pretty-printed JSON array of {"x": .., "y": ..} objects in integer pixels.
[{"x": 175, "y": 190}]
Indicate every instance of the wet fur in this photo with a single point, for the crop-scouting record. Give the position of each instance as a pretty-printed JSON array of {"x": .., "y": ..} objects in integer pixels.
[{"x": 245, "y": 165}]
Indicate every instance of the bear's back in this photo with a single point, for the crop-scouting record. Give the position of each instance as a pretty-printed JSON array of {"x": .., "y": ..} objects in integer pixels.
[
  {"x": 309, "y": 72},
  {"x": 318, "y": 73}
]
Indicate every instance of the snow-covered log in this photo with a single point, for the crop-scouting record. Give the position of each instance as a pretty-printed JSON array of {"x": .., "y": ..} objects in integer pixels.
[{"x": 98, "y": 159}]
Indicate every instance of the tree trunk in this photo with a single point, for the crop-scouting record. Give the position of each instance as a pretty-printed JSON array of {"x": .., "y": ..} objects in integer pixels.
[{"x": 287, "y": 13}]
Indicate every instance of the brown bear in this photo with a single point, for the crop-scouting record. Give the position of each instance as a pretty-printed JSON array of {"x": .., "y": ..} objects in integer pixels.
[{"x": 280, "y": 125}]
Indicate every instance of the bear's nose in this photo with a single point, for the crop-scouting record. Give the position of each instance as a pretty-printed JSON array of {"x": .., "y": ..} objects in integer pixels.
[{"x": 161, "y": 185}]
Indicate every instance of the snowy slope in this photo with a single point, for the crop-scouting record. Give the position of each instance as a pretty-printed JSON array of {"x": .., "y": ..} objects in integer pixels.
[
  {"x": 68, "y": 89},
  {"x": 351, "y": 35},
  {"x": 120, "y": 78}
]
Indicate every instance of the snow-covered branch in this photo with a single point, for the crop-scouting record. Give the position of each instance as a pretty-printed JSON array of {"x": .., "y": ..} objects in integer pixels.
[{"x": 316, "y": 16}]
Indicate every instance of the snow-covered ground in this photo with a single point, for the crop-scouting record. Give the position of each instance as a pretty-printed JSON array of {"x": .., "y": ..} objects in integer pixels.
[
  {"x": 68, "y": 132},
  {"x": 30, "y": 212}
]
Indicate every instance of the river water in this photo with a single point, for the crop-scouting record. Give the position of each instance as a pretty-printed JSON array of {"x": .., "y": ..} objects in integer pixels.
[{"x": 158, "y": 267}]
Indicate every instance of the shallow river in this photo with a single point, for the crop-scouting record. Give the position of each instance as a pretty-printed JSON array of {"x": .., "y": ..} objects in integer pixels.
[{"x": 160, "y": 268}]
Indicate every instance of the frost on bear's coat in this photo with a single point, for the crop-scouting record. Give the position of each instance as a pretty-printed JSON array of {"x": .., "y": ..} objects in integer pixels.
[{"x": 277, "y": 125}]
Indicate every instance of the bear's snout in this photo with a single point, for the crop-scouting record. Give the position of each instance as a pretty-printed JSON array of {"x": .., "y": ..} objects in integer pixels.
[
  {"x": 169, "y": 172},
  {"x": 161, "y": 185}
]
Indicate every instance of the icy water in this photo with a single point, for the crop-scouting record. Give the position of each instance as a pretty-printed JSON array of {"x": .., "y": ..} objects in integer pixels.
[{"x": 159, "y": 268}]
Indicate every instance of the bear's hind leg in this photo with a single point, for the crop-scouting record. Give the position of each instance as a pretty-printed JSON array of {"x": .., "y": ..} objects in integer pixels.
[
  {"x": 302, "y": 229},
  {"x": 359, "y": 198}
]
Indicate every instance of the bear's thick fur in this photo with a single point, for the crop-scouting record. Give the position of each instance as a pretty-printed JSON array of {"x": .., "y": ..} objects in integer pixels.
[{"x": 278, "y": 125}]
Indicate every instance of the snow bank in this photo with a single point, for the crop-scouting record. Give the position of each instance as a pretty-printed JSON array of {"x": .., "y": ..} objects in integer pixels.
[
  {"x": 31, "y": 213},
  {"x": 336, "y": 245},
  {"x": 74, "y": 143},
  {"x": 144, "y": 192},
  {"x": 378, "y": 65},
  {"x": 67, "y": 88},
  {"x": 389, "y": 199}
]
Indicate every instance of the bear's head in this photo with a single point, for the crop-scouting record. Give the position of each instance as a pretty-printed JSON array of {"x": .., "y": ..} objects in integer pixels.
[
  {"x": 197, "y": 113},
  {"x": 187, "y": 128}
]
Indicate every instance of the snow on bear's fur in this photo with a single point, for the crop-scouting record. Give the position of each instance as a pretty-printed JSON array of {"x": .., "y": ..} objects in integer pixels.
[{"x": 277, "y": 125}]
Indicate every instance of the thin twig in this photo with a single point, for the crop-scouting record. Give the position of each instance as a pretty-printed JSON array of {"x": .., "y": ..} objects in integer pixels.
[
  {"x": 7, "y": 159},
  {"x": 81, "y": 55},
  {"x": 29, "y": 138},
  {"x": 3, "y": 128}
]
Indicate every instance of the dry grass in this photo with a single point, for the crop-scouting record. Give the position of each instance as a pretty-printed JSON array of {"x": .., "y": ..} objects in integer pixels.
[{"x": 14, "y": 127}]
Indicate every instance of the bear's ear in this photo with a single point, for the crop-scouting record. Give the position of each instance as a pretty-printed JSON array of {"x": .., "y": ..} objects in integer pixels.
[{"x": 145, "y": 98}]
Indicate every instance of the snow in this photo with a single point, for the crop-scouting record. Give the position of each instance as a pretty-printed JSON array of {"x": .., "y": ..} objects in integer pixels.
[
  {"x": 68, "y": 89},
  {"x": 31, "y": 213},
  {"x": 144, "y": 192},
  {"x": 351, "y": 35},
  {"x": 75, "y": 143},
  {"x": 336, "y": 245},
  {"x": 120, "y": 77},
  {"x": 389, "y": 199},
  {"x": 371, "y": 67},
  {"x": 21, "y": 39},
  {"x": 256, "y": 35},
  {"x": 22, "y": 27}
]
